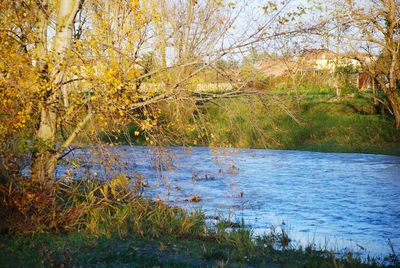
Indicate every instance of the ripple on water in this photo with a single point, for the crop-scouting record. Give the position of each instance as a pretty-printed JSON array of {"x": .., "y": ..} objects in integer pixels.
[{"x": 345, "y": 198}]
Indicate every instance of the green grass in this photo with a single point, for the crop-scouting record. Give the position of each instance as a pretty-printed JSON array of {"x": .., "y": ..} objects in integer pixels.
[
  {"x": 236, "y": 249},
  {"x": 313, "y": 120},
  {"x": 88, "y": 251},
  {"x": 324, "y": 123},
  {"x": 103, "y": 224},
  {"x": 114, "y": 230},
  {"x": 340, "y": 127}
]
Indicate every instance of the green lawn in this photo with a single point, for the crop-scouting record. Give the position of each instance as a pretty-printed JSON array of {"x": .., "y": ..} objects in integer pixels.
[{"x": 80, "y": 250}]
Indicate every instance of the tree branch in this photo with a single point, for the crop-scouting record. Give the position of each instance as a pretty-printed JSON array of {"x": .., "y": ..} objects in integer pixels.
[{"x": 74, "y": 134}]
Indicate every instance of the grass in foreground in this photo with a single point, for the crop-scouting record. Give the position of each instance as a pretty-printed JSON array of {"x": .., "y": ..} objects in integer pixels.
[
  {"x": 81, "y": 249},
  {"x": 102, "y": 224}
]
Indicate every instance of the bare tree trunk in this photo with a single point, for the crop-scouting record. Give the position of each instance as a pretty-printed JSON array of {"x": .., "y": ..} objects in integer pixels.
[
  {"x": 44, "y": 159},
  {"x": 374, "y": 92},
  {"x": 43, "y": 162},
  {"x": 43, "y": 167},
  {"x": 162, "y": 34},
  {"x": 392, "y": 94},
  {"x": 394, "y": 101},
  {"x": 393, "y": 49}
]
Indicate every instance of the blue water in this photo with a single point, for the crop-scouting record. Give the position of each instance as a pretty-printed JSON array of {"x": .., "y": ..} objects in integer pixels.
[{"x": 330, "y": 199}]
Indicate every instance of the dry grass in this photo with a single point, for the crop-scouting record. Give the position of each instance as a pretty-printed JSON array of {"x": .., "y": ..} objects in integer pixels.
[
  {"x": 76, "y": 223},
  {"x": 97, "y": 207}
]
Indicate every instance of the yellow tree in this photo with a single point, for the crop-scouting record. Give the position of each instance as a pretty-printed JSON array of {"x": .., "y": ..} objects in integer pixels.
[
  {"x": 69, "y": 68},
  {"x": 54, "y": 69},
  {"x": 25, "y": 26}
]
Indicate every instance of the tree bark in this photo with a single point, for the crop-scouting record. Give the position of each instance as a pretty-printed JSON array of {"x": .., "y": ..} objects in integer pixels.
[
  {"x": 43, "y": 167},
  {"x": 393, "y": 50},
  {"x": 394, "y": 101},
  {"x": 44, "y": 159}
]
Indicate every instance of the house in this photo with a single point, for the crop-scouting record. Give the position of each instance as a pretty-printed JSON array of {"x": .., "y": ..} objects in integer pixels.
[
  {"x": 316, "y": 60},
  {"x": 274, "y": 67}
]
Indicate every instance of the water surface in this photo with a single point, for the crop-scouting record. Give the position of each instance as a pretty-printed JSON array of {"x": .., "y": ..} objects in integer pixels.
[{"x": 342, "y": 200}]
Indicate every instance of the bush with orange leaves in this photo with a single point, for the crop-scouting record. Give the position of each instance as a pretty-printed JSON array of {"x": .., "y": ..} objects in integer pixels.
[{"x": 93, "y": 206}]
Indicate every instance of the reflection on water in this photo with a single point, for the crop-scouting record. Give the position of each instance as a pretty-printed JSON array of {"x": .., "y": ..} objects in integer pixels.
[{"x": 339, "y": 199}]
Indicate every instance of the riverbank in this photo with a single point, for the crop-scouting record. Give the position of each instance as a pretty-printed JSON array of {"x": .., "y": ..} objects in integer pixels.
[
  {"x": 236, "y": 249},
  {"x": 308, "y": 122},
  {"x": 96, "y": 228},
  {"x": 101, "y": 225},
  {"x": 93, "y": 223},
  {"x": 321, "y": 123}
]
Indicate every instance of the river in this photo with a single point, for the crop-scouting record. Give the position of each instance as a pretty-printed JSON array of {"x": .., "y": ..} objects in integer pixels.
[{"x": 334, "y": 200}]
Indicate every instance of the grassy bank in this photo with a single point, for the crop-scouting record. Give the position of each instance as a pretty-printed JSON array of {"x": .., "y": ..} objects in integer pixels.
[
  {"x": 308, "y": 122},
  {"x": 95, "y": 223},
  {"x": 235, "y": 250},
  {"x": 348, "y": 125},
  {"x": 314, "y": 120}
]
